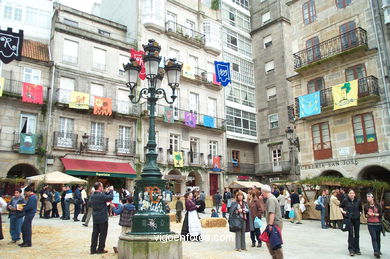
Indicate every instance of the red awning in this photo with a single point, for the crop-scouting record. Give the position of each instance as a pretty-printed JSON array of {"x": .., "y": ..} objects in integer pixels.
[{"x": 98, "y": 168}]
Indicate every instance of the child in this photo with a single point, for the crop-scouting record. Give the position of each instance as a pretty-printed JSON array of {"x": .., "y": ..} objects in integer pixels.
[
  {"x": 179, "y": 209},
  {"x": 126, "y": 213},
  {"x": 224, "y": 209},
  {"x": 214, "y": 214}
]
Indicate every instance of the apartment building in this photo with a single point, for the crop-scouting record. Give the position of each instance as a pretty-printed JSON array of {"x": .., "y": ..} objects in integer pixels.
[
  {"x": 273, "y": 61},
  {"x": 341, "y": 97}
]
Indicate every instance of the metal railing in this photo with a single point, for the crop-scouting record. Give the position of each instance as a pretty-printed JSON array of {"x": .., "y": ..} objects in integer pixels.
[
  {"x": 171, "y": 26},
  {"x": 195, "y": 158},
  {"x": 126, "y": 107},
  {"x": 242, "y": 168},
  {"x": 273, "y": 167},
  {"x": 125, "y": 147},
  {"x": 97, "y": 144},
  {"x": 16, "y": 141},
  {"x": 15, "y": 88},
  {"x": 367, "y": 86},
  {"x": 65, "y": 140},
  {"x": 336, "y": 45}
]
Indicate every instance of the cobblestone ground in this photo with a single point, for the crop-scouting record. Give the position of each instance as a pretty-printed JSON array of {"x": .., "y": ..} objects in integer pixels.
[{"x": 54, "y": 238}]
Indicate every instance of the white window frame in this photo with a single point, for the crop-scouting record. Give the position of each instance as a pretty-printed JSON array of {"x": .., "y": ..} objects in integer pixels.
[
  {"x": 213, "y": 148},
  {"x": 96, "y": 90},
  {"x": 174, "y": 142},
  {"x": 124, "y": 139},
  {"x": 266, "y": 17},
  {"x": 273, "y": 120},
  {"x": 122, "y": 60},
  {"x": 276, "y": 156},
  {"x": 267, "y": 41},
  {"x": 96, "y": 138},
  {"x": 194, "y": 106},
  {"x": 271, "y": 93},
  {"x": 99, "y": 57},
  {"x": 67, "y": 86},
  {"x": 34, "y": 74},
  {"x": 269, "y": 67},
  {"x": 31, "y": 120},
  {"x": 66, "y": 128},
  {"x": 212, "y": 107},
  {"x": 70, "y": 53}
]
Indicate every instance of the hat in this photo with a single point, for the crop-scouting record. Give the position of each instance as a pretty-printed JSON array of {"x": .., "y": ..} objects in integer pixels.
[{"x": 266, "y": 188}]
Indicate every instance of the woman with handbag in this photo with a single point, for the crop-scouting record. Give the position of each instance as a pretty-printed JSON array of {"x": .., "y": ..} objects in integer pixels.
[
  {"x": 373, "y": 212},
  {"x": 240, "y": 220},
  {"x": 256, "y": 207},
  {"x": 351, "y": 208}
]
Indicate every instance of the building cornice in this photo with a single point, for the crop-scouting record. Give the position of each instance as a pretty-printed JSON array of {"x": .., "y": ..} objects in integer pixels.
[{"x": 265, "y": 26}]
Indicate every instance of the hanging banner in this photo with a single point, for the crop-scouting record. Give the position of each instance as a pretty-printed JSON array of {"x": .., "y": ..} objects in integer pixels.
[
  {"x": 190, "y": 119},
  {"x": 215, "y": 80},
  {"x": 102, "y": 106},
  {"x": 79, "y": 100},
  {"x": 216, "y": 164},
  {"x": 188, "y": 71},
  {"x": 178, "y": 159},
  {"x": 168, "y": 115},
  {"x": 208, "y": 121},
  {"x": 11, "y": 44},
  {"x": 32, "y": 93},
  {"x": 222, "y": 71},
  {"x": 137, "y": 55},
  {"x": 2, "y": 81},
  {"x": 309, "y": 104},
  {"x": 27, "y": 143},
  {"x": 345, "y": 95}
]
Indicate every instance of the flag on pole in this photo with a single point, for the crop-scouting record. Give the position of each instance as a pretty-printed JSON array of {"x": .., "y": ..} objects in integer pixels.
[{"x": 137, "y": 55}]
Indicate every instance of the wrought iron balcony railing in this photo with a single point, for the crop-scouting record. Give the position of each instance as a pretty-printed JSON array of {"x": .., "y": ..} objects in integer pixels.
[
  {"x": 15, "y": 88},
  {"x": 195, "y": 158},
  {"x": 185, "y": 32},
  {"x": 242, "y": 168},
  {"x": 97, "y": 144},
  {"x": 125, "y": 147},
  {"x": 336, "y": 45},
  {"x": 273, "y": 167},
  {"x": 65, "y": 140}
]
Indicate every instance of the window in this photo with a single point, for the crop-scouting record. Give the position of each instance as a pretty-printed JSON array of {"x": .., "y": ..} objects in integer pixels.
[
  {"x": 65, "y": 90},
  {"x": 171, "y": 18},
  {"x": 7, "y": 12},
  {"x": 269, "y": 67},
  {"x": 18, "y": 14},
  {"x": 123, "y": 105},
  {"x": 32, "y": 76},
  {"x": 271, "y": 93},
  {"x": 243, "y": 3},
  {"x": 313, "y": 49},
  {"x": 266, "y": 17},
  {"x": 28, "y": 123},
  {"x": 104, "y": 33},
  {"x": 194, "y": 151},
  {"x": 322, "y": 146},
  {"x": 70, "y": 53},
  {"x": 236, "y": 18},
  {"x": 237, "y": 42},
  {"x": 276, "y": 157},
  {"x": 71, "y": 22},
  {"x": 190, "y": 28},
  {"x": 348, "y": 35},
  {"x": 174, "y": 53},
  {"x": 99, "y": 59},
  {"x": 241, "y": 122},
  {"x": 309, "y": 12},
  {"x": 232, "y": 18},
  {"x": 358, "y": 72},
  {"x": 364, "y": 131},
  {"x": 65, "y": 135},
  {"x": 212, "y": 107},
  {"x": 235, "y": 67},
  {"x": 96, "y": 139},
  {"x": 174, "y": 143},
  {"x": 124, "y": 142},
  {"x": 241, "y": 93},
  {"x": 213, "y": 148},
  {"x": 193, "y": 62},
  {"x": 245, "y": 68},
  {"x": 267, "y": 41},
  {"x": 194, "y": 102},
  {"x": 236, "y": 158},
  {"x": 122, "y": 60},
  {"x": 96, "y": 90},
  {"x": 273, "y": 120},
  {"x": 343, "y": 3},
  {"x": 315, "y": 85}
]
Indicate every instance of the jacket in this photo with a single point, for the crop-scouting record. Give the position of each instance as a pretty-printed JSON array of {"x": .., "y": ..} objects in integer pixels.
[
  {"x": 179, "y": 205},
  {"x": 257, "y": 208},
  {"x": 190, "y": 205},
  {"x": 353, "y": 208},
  {"x": 14, "y": 202},
  {"x": 98, "y": 203},
  {"x": 249, "y": 220},
  {"x": 31, "y": 205},
  {"x": 335, "y": 212},
  {"x": 126, "y": 213},
  {"x": 373, "y": 220}
]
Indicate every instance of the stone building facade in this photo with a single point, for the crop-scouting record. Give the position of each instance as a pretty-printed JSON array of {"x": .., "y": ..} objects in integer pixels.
[{"x": 334, "y": 43}]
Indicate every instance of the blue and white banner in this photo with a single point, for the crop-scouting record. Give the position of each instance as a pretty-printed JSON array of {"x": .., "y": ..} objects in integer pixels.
[
  {"x": 222, "y": 71},
  {"x": 309, "y": 104}
]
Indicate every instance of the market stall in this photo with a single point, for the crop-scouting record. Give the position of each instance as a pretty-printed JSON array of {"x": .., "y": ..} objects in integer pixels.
[{"x": 56, "y": 177}]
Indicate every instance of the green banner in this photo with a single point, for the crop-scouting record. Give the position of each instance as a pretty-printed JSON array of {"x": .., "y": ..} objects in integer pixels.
[
  {"x": 27, "y": 143},
  {"x": 86, "y": 173}
]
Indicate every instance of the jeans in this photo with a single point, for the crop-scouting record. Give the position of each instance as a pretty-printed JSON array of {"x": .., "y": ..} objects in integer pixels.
[
  {"x": 77, "y": 208},
  {"x": 323, "y": 224},
  {"x": 27, "y": 229},
  {"x": 217, "y": 207},
  {"x": 240, "y": 237},
  {"x": 375, "y": 233},
  {"x": 41, "y": 209},
  {"x": 99, "y": 232},
  {"x": 282, "y": 210},
  {"x": 255, "y": 235},
  {"x": 67, "y": 209},
  {"x": 54, "y": 211},
  {"x": 353, "y": 236},
  {"x": 15, "y": 227}
]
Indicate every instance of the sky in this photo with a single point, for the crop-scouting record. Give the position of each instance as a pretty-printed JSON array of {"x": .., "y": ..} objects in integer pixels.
[{"x": 82, "y": 5}]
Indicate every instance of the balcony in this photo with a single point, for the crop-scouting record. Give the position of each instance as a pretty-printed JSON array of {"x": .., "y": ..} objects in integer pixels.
[
  {"x": 273, "y": 168},
  {"x": 185, "y": 34},
  {"x": 63, "y": 140},
  {"x": 16, "y": 142},
  {"x": 195, "y": 159},
  {"x": 241, "y": 168},
  {"x": 126, "y": 107},
  {"x": 14, "y": 88},
  {"x": 343, "y": 44},
  {"x": 124, "y": 147},
  {"x": 201, "y": 76},
  {"x": 368, "y": 93},
  {"x": 97, "y": 144}
]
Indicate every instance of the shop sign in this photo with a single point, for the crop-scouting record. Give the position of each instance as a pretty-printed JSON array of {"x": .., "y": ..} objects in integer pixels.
[{"x": 329, "y": 164}]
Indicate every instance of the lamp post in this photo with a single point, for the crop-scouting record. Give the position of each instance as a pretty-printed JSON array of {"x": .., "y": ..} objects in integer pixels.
[
  {"x": 84, "y": 142},
  {"x": 150, "y": 217},
  {"x": 293, "y": 143}
]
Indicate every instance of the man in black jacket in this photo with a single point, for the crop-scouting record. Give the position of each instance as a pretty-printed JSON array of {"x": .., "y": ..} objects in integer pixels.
[
  {"x": 77, "y": 203},
  {"x": 100, "y": 217}
]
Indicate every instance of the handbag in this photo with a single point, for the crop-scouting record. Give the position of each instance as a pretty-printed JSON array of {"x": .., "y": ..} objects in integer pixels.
[
  {"x": 318, "y": 207},
  {"x": 257, "y": 223},
  {"x": 235, "y": 224},
  {"x": 291, "y": 214},
  {"x": 346, "y": 224}
]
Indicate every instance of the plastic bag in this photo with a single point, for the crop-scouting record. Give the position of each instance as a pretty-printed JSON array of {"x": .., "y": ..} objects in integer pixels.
[
  {"x": 291, "y": 214},
  {"x": 258, "y": 223}
]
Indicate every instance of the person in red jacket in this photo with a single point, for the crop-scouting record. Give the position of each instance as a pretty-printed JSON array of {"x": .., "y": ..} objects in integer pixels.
[
  {"x": 224, "y": 209},
  {"x": 373, "y": 212}
]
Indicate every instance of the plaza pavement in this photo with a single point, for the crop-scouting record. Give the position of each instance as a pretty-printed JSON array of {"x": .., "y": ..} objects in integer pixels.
[{"x": 54, "y": 238}]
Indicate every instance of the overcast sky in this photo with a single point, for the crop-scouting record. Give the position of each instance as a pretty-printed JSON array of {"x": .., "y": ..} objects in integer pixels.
[{"x": 82, "y": 5}]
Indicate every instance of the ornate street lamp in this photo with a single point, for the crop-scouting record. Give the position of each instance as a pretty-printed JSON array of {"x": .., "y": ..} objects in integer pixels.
[
  {"x": 294, "y": 141},
  {"x": 84, "y": 142},
  {"x": 150, "y": 217}
]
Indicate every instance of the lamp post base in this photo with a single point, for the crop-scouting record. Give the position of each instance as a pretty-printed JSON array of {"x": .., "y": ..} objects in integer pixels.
[{"x": 149, "y": 246}]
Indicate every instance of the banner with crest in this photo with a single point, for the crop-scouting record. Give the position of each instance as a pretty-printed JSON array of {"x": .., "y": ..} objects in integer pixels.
[{"x": 11, "y": 44}]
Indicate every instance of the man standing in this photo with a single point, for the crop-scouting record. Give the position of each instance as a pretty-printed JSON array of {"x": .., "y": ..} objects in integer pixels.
[
  {"x": 100, "y": 217},
  {"x": 15, "y": 216},
  {"x": 68, "y": 198},
  {"x": 295, "y": 205},
  {"x": 217, "y": 201},
  {"x": 77, "y": 202},
  {"x": 42, "y": 200},
  {"x": 273, "y": 217},
  {"x": 29, "y": 212},
  {"x": 84, "y": 199},
  {"x": 341, "y": 195}
]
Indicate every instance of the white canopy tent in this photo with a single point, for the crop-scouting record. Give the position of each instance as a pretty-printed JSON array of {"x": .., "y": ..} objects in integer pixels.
[
  {"x": 56, "y": 177},
  {"x": 244, "y": 185}
]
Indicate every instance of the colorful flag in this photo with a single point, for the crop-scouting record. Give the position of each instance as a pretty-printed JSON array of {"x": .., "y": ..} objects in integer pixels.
[
  {"x": 102, "y": 106},
  {"x": 345, "y": 95},
  {"x": 188, "y": 71},
  {"x": 222, "y": 71},
  {"x": 216, "y": 164},
  {"x": 309, "y": 104},
  {"x": 2, "y": 80},
  {"x": 32, "y": 93},
  {"x": 190, "y": 119},
  {"x": 168, "y": 115},
  {"x": 178, "y": 159},
  {"x": 27, "y": 143},
  {"x": 138, "y": 56},
  {"x": 208, "y": 121},
  {"x": 79, "y": 100},
  {"x": 11, "y": 45}
]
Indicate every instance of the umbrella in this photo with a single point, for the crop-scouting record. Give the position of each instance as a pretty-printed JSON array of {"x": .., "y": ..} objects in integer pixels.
[{"x": 56, "y": 177}]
